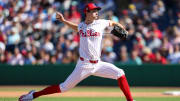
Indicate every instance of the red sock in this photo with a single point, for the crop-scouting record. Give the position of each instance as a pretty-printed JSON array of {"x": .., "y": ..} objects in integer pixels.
[
  {"x": 49, "y": 90},
  {"x": 123, "y": 84}
]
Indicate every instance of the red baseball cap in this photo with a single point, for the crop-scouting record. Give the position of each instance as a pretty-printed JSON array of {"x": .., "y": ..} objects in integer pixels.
[{"x": 91, "y": 6}]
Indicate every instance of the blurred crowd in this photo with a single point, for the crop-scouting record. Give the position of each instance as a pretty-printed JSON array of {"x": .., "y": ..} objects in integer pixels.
[{"x": 30, "y": 34}]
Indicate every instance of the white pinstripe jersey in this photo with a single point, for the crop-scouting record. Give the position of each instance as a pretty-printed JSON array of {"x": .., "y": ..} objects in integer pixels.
[{"x": 91, "y": 38}]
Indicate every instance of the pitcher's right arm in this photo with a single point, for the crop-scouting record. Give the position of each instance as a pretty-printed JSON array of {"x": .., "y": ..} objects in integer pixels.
[{"x": 59, "y": 16}]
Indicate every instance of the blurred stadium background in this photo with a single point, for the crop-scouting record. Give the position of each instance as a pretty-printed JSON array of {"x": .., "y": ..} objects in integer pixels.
[
  {"x": 30, "y": 34},
  {"x": 35, "y": 49}
]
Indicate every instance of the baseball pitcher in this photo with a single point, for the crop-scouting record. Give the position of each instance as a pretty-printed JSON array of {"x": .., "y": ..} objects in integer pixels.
[{"x": 89, "y": 63}]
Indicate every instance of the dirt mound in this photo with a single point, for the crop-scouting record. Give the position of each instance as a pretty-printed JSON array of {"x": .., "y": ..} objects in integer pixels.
[{"x": 87, "y": 94}]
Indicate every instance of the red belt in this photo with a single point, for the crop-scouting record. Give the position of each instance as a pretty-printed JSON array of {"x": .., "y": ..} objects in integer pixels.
[{"x": 91, "y": 61}]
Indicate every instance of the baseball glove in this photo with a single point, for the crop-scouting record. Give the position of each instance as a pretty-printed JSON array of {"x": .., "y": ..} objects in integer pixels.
[{"x": 119, "y": 32}]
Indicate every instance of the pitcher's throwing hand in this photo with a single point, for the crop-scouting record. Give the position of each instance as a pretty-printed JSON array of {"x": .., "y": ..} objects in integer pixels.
[{"x": 59, "y": 16}]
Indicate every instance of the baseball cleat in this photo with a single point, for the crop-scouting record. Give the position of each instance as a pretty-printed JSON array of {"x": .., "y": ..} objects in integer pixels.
[{"x": 27, "y": 97}]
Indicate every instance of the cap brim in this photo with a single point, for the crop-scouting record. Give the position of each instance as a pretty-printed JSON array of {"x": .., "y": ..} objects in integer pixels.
[{"x": 98, "y": 8}]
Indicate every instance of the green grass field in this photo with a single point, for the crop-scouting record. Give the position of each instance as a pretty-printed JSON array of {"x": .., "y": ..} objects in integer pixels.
[{"x": 93, "y": 89}]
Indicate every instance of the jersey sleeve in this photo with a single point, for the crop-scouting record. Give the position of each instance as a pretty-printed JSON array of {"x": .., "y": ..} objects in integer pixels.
[
  {"x": 104, "y": 23},
  {"x": 79, "y": 26}
]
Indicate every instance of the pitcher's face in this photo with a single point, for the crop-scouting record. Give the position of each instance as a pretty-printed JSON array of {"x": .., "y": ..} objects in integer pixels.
[{"x": 92, "y": 14}]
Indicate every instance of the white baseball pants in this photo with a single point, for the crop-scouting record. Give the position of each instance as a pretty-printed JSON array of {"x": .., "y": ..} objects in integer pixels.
[{"x": 84, "y": 69}]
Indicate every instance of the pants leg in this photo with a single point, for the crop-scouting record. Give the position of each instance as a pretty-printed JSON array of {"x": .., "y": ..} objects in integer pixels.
[
  {"x": 108, "y": 70},
  {"x": 81, "y": 71}
]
